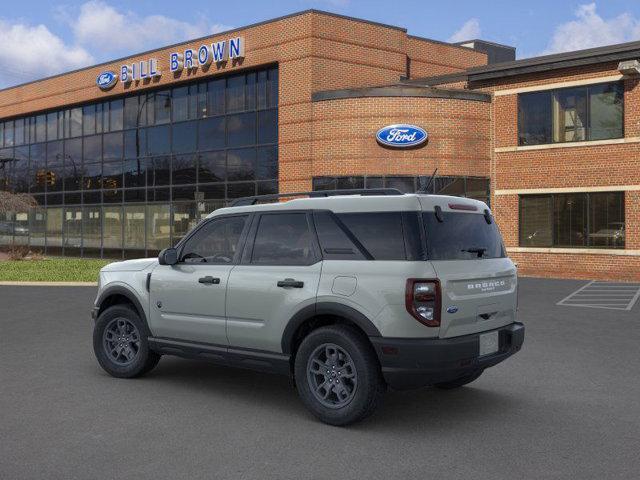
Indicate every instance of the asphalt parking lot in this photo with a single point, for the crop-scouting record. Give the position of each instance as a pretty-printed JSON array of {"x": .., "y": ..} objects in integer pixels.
[{"x": 567, "y": 406}]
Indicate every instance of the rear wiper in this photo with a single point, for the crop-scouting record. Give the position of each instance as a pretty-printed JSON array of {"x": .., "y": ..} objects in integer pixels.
[{"x": 479, "y": 250}]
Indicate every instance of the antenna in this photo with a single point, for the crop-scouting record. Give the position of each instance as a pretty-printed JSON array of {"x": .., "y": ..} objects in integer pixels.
[{"x": 425, "y": 188}]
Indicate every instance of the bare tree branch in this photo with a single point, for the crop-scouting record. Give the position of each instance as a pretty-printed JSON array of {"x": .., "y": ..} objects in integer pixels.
[{"x": 16, "y": 202}]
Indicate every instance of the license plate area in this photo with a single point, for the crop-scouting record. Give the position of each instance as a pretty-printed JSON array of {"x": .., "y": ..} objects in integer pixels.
[{"x": 489, "y": 343}]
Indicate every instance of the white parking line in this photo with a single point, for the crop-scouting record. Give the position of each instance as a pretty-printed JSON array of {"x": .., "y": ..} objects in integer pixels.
[{"x": 612, "y": 296}]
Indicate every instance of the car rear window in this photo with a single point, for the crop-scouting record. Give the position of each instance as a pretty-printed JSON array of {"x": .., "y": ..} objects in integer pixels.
[{"x": 461, "y": 236}]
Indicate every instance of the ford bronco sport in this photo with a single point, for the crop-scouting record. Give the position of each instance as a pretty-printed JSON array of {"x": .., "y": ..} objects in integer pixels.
[{"x": 346, "y": 292}]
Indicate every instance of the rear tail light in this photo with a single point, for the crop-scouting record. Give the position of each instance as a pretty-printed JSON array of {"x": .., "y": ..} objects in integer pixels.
[{"x": 422, "y": 298}]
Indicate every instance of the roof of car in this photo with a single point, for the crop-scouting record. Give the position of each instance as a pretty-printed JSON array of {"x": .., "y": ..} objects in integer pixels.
[{"x": 361, "y": 203}]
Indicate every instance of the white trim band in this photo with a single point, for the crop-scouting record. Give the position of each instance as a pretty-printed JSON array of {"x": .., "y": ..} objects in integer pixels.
[
  {"x": 576, "y": 251},
  {"x": 551, "y": 86},
  {"x": 534, "y": 191},
  {"x": 588, "y": 143}
]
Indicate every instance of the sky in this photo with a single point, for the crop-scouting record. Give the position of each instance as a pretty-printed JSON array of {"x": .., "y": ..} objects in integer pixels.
[{"x": 39, "y": 38}]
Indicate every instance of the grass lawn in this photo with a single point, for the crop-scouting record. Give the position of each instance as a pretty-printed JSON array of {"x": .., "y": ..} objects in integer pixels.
[{"x": 52, "y": 270}]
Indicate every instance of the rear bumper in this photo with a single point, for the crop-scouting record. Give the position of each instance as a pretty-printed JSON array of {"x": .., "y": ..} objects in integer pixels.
[{"x": 411, "y": 363}]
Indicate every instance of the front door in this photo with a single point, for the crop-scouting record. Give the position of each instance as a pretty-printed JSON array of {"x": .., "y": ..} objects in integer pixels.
[
  {"x": 187, "y": 300},
  {"x": 278, "y": 276}
]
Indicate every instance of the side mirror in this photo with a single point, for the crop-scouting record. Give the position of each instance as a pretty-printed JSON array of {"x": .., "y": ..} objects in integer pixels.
[{"x": 168, "y": 256}]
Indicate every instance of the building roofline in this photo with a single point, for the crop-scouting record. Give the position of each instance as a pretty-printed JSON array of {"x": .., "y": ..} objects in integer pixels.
[
  {"x": 556, "y": 61},
  {"x": 436, "y": 79},
  {"x": 440, "y": 42},
  {"x": 495, "y": 44},
  {"x": 225, "y": 32}
]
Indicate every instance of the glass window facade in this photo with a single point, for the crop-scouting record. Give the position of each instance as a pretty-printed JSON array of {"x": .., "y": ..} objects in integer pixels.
[
  {"x": 130, "y": 176},
  {"x": 471, "y": 187},
  {"x": 573, "y": 220},
  {"x": 594, "y": 112}
]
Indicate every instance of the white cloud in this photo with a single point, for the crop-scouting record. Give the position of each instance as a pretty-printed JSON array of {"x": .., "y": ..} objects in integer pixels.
[
  {"x": 28, "y": 52},
  {"x": 469, "y": 31},
  {"x": 104, "y": 29},
  {"x": 591, "y": 30}
]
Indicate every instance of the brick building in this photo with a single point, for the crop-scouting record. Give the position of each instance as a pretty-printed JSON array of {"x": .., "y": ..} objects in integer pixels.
[{"x": 124, "y": 157}]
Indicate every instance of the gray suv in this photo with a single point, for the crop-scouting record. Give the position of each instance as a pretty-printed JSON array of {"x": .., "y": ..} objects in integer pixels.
[{"x": 346, "y": 292}]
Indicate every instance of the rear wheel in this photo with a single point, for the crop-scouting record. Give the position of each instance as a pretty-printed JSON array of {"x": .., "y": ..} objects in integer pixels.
[
  {"x": 120, "y": 345},
  {"x": 459, "y": 382},
  {"x": 337, "y": 375}
]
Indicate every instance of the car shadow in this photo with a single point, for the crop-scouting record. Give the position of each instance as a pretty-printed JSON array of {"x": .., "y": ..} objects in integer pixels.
[{"x": 400, "y": 410}]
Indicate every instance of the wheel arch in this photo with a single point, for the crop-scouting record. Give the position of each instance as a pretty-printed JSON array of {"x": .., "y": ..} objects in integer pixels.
[
  {"x": 119, "y": 295},
  {"x": 320, "y": 314}
]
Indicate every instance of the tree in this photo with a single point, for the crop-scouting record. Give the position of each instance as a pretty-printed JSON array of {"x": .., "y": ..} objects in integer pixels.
[{"x": 16, "y": 202}]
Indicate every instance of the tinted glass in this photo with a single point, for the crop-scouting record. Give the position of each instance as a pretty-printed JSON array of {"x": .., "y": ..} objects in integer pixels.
[
  {"x": 570, "y": 112},
  {"x": 606, "y": 220},
  {"x": 536, "y": 221},
  {"x": 241, "y": 164},
  {"x": 380, "y": 233},
  {"x": 211, "y": 133},
  {"x": 334, "y": 241},
  {"x": 606, "y": 107},
  {"x": 158, "y": 140},
  {"x": 241, "y": 129},
  {"x": 184, "y": 137},
  {"x": 112, "y": 146},
  {"x": 184, "y": 169},
  {"x": 534, "y": 118},
  {"x": 212, "y": 167},
  {"x": 461, "y": 236},
  {"x": 283, "y": 239},
  {"x": 268, "y": 126},
  {"x": 570, "y": 218},
  {"x": 215, "y": 242}
]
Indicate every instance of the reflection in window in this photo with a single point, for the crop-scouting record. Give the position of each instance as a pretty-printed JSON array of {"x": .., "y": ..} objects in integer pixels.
[
  {"x": 184, "y": 137},
  {"x": 211, "y": 133},
  {"x": 134, "y": 227},
  {"x": 241, "y": 164},
  {"x": 92, "y": 229},
  {"x": 112, "y": 227},
  {"x": 158, "y": 227},
  {"x": 184, "y": 219},
  {"x": 241, "y": 129}
]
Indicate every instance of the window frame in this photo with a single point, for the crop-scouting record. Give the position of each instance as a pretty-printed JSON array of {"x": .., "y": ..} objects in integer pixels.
[
  {"x": 552, "y": 93},
  {"x": 241, "y": 242},
  {"x": 588, "y": 196},
  {"x": 247, "y": 254}
]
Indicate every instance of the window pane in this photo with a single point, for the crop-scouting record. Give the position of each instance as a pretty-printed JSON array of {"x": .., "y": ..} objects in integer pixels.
[
  {"x": 21, "y": 169},
  {"x": 241, "y": 164},
  {"x": 92, "y": 176},
  {"x": 216, "y": 242},
  {"x": 536, "y": 217},
  {"x": 37, "y": 226},
  {"x": 179, "y": 99},
  {"x": 134, "y": 227},
  {"x": 235, "y": 93},
  {"x": 75, "y": 122},
  {"x": 374, "y": 182},
  {"x": 8, "y": 134},
  {"x": 570, "y": 219},
  {"x": 161, "y": 173},
  {"x": 324, "y": 183},
  {"x": 283, "y": 239},
  {"x": 212, "y": 167},
  {"x": 244, "y": 189},
  {"x": 267, "y": 163},
  {"x": 158, "y": 140},
  {"x": 250, "y": 91},
  {"x": 112, "y": 226},
  {"x": 89, "y": 120},
  {"x": 184, "y": 137},
  {"x": 606, "y": 220},
  {"x": 478, "y": 189},
  {"x": 135, "y": 173},
  {"x": 92, "y": 228},
  {"x": 211, "y": 133},
  {"x": 404, "y": 184},
  {"x": 334, "y": 242},
  {"x": 41, "y": 129},
  {"x": 131, "y": 112},
  {"x": 184, "y": 169},
  {"x": 135, "y": 143},
  {"x": 112, "y": 145},
  {"x": 72, "y": 164},
  {"x": 52, "y": 126},
  {"x": 92, "y": 148},
  {"x": 115, "y": 115},
  {"x": 268, "y": 126},
  {"x": 112, "y": 175},
  {"x": 19, "y": 131},
  {"x": 570, "y": 115},
  {"x": 534, "y": 118},
  {"x": 272, "y": 93},
  {"x": 54, "y": 227},
  {"x": 201, "y": 104},
  {"x": 380, "y": 233},
  {"x": 261, "y": 89},
  {"x": 241, "y": 129},
  {"x": 449, "y": 186},
  {"x": 184, "y": 219},
  {"x": 55, "y": 167},
  {"x": 213, "y": 192},
  {"x": 73, "y": 230},
  {"x": 347, "y": 183},
  {"x": 162, "y": 107},
  {"x": 215, "y": 94},
  {"x": 606, "y": 104}
]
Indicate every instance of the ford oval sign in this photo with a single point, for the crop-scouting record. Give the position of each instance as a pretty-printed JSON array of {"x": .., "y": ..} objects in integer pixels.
[
  {"x": 401, "y": 136},
  {"x": 106, "y": 80}
]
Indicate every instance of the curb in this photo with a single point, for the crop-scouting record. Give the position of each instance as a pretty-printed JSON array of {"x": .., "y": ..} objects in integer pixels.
[{"x": 49, "y": 284}]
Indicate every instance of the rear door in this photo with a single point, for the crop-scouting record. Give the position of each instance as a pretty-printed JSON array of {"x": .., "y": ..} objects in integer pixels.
[
  {"x": 278, "y": 276},
  {"x": 478, "y": 282}
]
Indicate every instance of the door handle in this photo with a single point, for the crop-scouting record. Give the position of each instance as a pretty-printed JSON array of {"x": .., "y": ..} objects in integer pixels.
[
  {"x": 290, "y": 282},
  {"x": 209, "y": 280}
]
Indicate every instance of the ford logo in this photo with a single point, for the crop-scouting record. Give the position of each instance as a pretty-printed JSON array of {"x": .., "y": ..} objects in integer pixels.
[
  {"x": 401, "y": 136},
  {"x": 106, "y": 80},
  {"x": 452, "y": 309}
]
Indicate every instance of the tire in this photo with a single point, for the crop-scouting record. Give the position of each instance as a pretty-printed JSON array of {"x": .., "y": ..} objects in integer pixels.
[
  {"x": 353, "y": 390},
  {"x": 131, "y": 358},
  {"x": 459, "y": 382}
]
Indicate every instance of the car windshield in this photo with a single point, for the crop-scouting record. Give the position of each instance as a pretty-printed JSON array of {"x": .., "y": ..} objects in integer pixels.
[{"x": 461, "y": 236}]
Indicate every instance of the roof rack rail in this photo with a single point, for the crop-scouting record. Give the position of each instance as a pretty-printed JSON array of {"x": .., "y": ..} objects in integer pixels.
[{"x": 244, "y": 201}]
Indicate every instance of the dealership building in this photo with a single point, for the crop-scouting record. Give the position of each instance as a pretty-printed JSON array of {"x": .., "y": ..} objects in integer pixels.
[{"x": 123, "y": 158}]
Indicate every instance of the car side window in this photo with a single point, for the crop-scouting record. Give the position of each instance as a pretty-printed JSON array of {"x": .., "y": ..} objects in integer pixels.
[
  {"x": 283, "y": 239},
  {"x": 216, "y": 242}
]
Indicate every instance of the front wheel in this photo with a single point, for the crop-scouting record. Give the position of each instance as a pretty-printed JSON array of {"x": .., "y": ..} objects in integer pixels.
[
  {"x": 120, "y": 345},
  {"x": 337, "y": 375}
]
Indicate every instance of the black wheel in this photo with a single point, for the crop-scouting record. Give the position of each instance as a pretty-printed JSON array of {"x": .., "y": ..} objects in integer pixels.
[
  {"x": 337, "y": 375},
  {"x": 120, "y": 344},
  {"x": 459, "y": 382}
]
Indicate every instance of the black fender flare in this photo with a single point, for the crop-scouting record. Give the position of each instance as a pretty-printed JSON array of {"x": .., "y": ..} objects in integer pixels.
[
  {"x": 326, "y": 308},
  {"x": 125, "y": 292}
]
